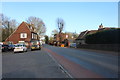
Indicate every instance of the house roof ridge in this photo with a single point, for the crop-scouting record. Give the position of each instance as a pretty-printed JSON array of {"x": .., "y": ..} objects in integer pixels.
[
  {"x": 26, "y": 25},
  {"x": 13, "y": 32}
]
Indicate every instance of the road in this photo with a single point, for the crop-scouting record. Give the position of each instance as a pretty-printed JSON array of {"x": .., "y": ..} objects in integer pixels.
[
  {"x": 80, "y": 63},
  {"x": 31, "y": 64},
  {"x": 58, "y": 62}
]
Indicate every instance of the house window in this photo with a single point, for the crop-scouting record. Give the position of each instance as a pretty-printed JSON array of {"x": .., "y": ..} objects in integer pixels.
[
  {"x": 23, "y": 35},
  {"x": 36, "y": 36},
  {"x": 30, "y": 27},
  {"x": 32, "y": 36}
]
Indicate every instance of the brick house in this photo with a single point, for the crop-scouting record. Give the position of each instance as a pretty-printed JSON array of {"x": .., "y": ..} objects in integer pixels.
[
  {"x": 57, "y": 39},
  {"x": 25, "y": 33}
]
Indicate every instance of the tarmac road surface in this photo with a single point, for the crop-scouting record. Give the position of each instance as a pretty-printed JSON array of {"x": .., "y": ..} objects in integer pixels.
[
  {"x": 85, "y": 63},
  {"x": 31, "y": 64}
]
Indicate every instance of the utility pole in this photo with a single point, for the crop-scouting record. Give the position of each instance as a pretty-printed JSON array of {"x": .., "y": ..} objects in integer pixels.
[
  {"x": 8, "y": 28},
  {"x": 0, "y": 33}
]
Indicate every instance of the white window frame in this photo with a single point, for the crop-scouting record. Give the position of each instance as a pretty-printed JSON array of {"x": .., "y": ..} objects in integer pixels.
[
  {"x": 35, "y": 36},
  {"x": 32, "y": 35},
  {"x": 23, "y": 35}
]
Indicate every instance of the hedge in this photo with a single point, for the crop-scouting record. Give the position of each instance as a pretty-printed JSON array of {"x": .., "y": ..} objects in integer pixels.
[{"x": 104, "y": 37}]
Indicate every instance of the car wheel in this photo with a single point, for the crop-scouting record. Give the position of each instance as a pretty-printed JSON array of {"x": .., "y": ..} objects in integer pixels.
[
  {"x": 39, "y": 48},
  {"x": 23, "y": 50}
]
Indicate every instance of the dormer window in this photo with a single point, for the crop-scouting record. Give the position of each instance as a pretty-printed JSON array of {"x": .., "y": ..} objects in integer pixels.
[
  {"x": 34, "y": 29},
  {"x": 31, "y": 27}
]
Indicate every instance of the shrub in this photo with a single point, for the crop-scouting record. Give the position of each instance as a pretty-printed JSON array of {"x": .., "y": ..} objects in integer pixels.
[{"x": 104, "y": 37}]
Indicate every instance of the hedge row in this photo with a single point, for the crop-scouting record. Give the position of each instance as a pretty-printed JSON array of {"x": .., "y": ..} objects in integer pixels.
[{"x": 111, "y": 36}]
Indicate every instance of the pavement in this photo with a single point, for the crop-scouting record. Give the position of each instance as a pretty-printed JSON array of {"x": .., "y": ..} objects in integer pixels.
[{"x": 31, "y": 64}]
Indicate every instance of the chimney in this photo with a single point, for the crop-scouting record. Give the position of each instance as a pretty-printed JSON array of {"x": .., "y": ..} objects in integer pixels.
[{"x": 100, "y": 26}]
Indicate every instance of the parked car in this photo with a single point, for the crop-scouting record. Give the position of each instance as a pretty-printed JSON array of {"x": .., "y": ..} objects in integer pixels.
[
  {"x": 1, "y": 46},
  {"x": 5, "y": 48},
  {"x": 11, "y": 47},
  {"x": 20, "y": 48},
  {"x": 35, "y": 45},
  {"x": 1, "y": 43},
  {"x": 73, "y": 45}
]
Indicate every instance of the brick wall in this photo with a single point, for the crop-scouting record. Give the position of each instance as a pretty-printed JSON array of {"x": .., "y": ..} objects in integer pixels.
[{"x": 15, "y": 37}]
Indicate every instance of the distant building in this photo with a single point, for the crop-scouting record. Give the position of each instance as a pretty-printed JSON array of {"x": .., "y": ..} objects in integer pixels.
[
  {"x": 60, "y": 37},
  {"x": 81, "y": 37},
  {"x": 25, "y": 33}
]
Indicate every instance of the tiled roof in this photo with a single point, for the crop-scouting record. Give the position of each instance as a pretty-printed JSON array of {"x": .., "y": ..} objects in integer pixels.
[
  {"x": 84, "y": 33},
  {"x": 92, "y": 32},
  {"x": 31, "y": 27}
]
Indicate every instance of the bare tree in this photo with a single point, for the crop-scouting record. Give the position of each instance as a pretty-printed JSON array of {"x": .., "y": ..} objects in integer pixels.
[
  {"x": 38, "y": 23},
  {"x": 4, "y": 26},
  {"x": 4, "y": 20},
  {"x": 7, "y": 26},
  {"x": 13, "y": 23},
  {"x": 61, "y": 24},
  {"x": 7, "y": 22}
]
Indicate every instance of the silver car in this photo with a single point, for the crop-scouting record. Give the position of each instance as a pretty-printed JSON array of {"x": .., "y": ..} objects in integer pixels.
[
  {"x": 73, "y": 45},
  {"x": 20, "y": 48}
]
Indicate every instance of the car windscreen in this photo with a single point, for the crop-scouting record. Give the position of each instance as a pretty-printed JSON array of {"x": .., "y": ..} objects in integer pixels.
[
  {"x": 34, "y": 45},
  {"x": 11, "y": 45},
  {"x": 4, "y": 45},
  {"x": 19, "y": 45}
]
